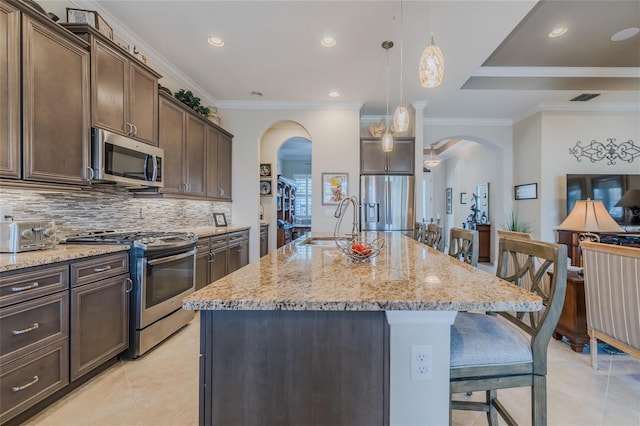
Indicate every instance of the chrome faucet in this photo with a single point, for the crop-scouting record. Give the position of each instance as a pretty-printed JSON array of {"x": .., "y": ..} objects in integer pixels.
[{"x": 341, "y": 210}]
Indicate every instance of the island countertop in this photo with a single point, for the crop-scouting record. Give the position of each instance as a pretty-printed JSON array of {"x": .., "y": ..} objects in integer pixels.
[{"x": 406, "y": 275}]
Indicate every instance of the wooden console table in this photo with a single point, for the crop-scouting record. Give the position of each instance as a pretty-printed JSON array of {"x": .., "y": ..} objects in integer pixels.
[{"x": 573, "y": 319}]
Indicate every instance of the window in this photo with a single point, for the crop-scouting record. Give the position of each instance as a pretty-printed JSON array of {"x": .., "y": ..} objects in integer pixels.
[{"x": 303, "y": 197}]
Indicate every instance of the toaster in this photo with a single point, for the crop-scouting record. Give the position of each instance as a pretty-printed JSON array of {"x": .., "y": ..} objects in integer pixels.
[{"x": 25, "y": 235}]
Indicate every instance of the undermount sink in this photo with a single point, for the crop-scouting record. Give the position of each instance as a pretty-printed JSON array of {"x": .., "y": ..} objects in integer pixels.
[{"x": 323, "y": 241}]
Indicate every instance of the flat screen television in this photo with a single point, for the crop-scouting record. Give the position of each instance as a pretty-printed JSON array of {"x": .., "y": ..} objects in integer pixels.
[{"x": 608, "y": 188}]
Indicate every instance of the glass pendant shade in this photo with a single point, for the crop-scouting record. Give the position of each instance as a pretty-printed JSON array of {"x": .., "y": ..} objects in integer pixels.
[
  {"x": 401, "y": 119},
  {"x": 387, "y": 142},
  {"x": 431, "y": 66},
  {"x": 432, "y": 159}
]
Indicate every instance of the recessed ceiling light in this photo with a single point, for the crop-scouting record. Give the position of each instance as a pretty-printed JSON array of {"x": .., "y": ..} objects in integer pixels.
[
  {"x": 256, "y": 93},
  {"x": 334, "y": 94},
  {"x": 557, "y": 32},
  {"x": 625, "y": 34},
  {"x": 215, "y": 41},
  {"x": 327, "y": 41}
]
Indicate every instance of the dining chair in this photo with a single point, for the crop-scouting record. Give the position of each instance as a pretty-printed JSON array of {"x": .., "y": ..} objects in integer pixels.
[
  {"x": 419, "y": 231},
  {"x": 509, "y": 349},
  {"x": 433, "y": 236},
  {"x": 463, "y": 245}
]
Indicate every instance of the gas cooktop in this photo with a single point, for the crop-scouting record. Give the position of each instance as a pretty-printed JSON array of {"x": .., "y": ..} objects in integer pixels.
[{"x": 140, "y": 239}]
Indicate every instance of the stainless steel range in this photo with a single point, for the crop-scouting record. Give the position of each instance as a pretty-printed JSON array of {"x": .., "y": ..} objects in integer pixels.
[{"x": 163, "y": 272}]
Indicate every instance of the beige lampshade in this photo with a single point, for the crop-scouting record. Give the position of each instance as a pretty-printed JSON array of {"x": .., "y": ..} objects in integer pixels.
[{"x": 590, "y": 216}]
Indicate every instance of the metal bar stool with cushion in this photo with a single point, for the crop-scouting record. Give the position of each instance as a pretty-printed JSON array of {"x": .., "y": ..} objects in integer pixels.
[
  {"x": 463, "y": 245},
  {"x": 433, "y": 236},
  {"x": 491, "y": 352}
]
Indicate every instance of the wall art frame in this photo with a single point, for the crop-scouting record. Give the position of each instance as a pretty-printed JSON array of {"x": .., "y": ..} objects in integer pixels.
[
  {"x": 449, "y": 200},
  {"x": 528, "y": 191},
  {"x": 220, "y": 220},
  {"x": 335, "y": 188}
]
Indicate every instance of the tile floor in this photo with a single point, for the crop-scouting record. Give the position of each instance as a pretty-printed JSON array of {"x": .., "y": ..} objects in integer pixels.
[{"x": 161, "y": 389}]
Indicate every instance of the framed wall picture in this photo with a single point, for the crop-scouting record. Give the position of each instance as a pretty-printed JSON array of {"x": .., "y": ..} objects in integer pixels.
[
  {"x": 449, "y": 200},
  {"x": 463, "y": 198},
  {"x": 335, "y": 187},
  {"x": 219, "y": 220},
  {"x": 482, "y": 191},
  {"x": 528, "y": 191},
  {"x": 265, "y": 170},
  {"x": 266, "y": 188}
]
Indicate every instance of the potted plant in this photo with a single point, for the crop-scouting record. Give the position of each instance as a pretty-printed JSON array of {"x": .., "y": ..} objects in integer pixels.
[
  {"x": 192, "y": 101},
  {"x": 515, "y": 224}
]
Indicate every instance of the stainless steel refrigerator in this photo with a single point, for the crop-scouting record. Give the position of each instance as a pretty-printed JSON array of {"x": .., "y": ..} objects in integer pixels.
[{"x": 387, "y": 203}]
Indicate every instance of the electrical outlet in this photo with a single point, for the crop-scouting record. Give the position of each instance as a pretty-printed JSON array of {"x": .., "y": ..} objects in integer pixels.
[
  {"x": 6, "y": 213},
  {"x": 421, "y": 362}
]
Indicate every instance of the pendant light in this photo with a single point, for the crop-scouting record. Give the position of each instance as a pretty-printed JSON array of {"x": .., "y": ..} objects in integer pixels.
[
  {"x": 387, "y": 138},
  {"x": 401, "y": 116},
  {"x": 432, "y": 159},
  {"x": 431, "y": 65}
]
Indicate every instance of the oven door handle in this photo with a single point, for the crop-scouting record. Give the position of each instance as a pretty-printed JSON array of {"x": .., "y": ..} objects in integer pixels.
[{"x": 171, "y": 258}]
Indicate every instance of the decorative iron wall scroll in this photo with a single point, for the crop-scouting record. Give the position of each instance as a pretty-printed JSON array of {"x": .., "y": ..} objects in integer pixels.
[{"x": 596, "y": 151}]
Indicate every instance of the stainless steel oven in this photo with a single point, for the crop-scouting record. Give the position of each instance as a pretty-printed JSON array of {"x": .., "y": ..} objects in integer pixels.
[{"x": 163, "y": 273}]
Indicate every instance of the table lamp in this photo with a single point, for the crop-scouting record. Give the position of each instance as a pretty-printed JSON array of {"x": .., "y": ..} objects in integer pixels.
[
  {"x": 631, "y": 200},
  {"x": 588, "y": 216}
]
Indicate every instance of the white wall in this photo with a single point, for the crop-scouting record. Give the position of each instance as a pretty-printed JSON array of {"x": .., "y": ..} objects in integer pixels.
[
  {"x": 560, "y": 132},
  {"x": 335, "y": 137},
  {"x": 490, "y": 161},
  {"x": 527, "y": 135}
]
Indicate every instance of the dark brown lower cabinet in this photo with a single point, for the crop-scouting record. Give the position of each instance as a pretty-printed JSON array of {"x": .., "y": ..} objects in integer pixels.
[
  {"x": 99, "y": 323},
  {"x": 294, "y": 367},
  {"x": 218, "y": 265}
]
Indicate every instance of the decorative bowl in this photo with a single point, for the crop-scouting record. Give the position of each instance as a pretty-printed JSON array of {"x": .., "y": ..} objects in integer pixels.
[{"x": 360, "y": 250}]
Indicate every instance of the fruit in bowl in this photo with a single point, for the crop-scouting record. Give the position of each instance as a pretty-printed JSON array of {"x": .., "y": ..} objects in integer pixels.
[{"x": 360, "y": 249}]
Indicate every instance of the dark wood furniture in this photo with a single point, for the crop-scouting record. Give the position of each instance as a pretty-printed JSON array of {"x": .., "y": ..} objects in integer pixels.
[
  {"x": 571, "y": 240},
  {"x": 484, "y": 243},
  {"x": 124, "y": 91},
  {"x": 400, "y": 161},
  {"x": 197, "y": 153},
  {"x": 264, "y": 239},
  {"x": 294, "y": 367},
  {"x": 286, "y": 209},
  {"x": 60, "y": 324},
  {"x": 220, "y": 255},
  {"x": 10, "y": 92},
  {"x": 573, "y": 319}
]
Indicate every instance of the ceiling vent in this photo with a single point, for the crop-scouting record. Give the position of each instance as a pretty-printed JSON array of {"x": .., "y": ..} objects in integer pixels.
[{"x": 585, "y": 97}]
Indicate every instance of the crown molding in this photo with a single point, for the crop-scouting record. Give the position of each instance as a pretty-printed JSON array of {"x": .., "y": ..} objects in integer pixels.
[
  {"x": 468, "y": 122},
  {"x": 326, "y": 105}
]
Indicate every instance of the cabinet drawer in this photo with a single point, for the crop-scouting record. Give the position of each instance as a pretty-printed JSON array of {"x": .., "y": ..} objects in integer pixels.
[
  {"x": 235, "y": 237},
  {"x": 32, "y": 378},
  {"x": 99, "y": 268},
  {"x": 202, "y": 245},
  {"x": 219, "y": 241},
  {"x": 29, "y": 325},
  {"x": 22, "y": 286}
]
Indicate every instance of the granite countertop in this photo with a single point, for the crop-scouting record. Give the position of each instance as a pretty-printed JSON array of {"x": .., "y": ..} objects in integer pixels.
[
  {"x": 406, "y": 275},
  {"x": 208, "y": 231},
  {"x": 61, "y": 253}
]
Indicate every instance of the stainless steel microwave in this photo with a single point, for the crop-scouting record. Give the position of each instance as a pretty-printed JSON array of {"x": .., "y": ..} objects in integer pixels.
[{"x": 118, "y": 159}]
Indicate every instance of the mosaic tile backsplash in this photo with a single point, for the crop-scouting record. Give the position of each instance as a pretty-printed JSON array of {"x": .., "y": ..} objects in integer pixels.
[{"x": 109, "y": 208}]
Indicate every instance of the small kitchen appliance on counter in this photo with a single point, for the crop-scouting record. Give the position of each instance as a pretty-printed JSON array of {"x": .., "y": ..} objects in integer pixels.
[
  {"x": 26, "y": 235},
  {"x": 162, "y": 268}
]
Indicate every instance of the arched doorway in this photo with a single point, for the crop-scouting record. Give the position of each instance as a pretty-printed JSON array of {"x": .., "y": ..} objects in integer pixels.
[{"x": 286, "y": 146}]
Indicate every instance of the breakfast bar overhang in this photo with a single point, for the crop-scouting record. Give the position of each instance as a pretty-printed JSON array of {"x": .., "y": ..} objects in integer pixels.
[{"x": 306, "y": 336}]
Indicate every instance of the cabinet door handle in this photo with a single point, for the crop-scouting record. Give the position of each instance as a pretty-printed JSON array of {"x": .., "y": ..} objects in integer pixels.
[
  {"x": 106, "y": 268},
  {"x": 90, "y": 174},
  {"x": 129, "y": 285},
  {"x": 35, "y": 326},
  {"x": 128, "y": 128},
  {"x": 135, "y": 130},
  {"x": 26, "y": 385},
  {"x": 26, "y": 287}
]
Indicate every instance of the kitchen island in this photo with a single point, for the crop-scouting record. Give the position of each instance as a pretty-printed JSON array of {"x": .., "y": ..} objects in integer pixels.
[{"x": 306, "y": 336}]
